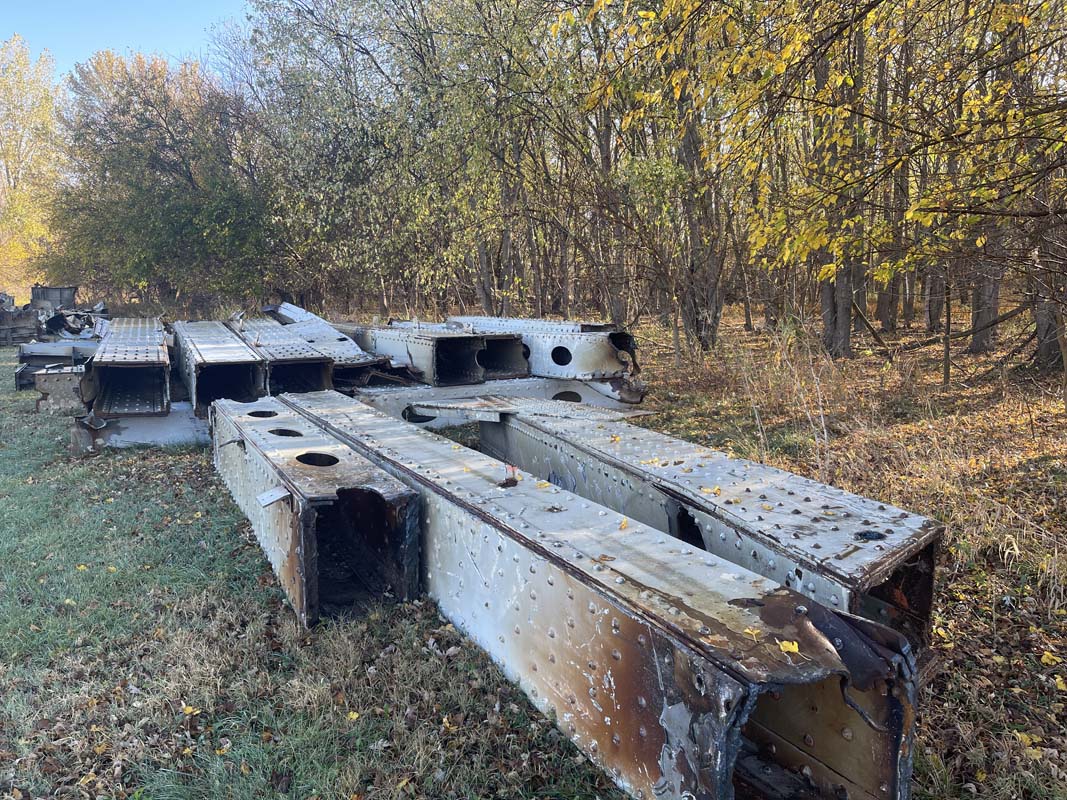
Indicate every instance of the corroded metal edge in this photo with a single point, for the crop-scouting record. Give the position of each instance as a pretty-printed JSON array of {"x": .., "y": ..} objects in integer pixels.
[{"x": 542, "y": 580}]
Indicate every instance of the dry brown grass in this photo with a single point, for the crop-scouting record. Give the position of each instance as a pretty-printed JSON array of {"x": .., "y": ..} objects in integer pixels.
[{"x": 986, "y": 455}]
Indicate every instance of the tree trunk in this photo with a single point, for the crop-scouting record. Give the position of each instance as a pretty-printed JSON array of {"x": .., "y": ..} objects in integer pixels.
[{"x": 985, "y": 306}]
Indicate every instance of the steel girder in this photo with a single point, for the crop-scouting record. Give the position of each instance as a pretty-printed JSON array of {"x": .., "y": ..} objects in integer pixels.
[
  {"x": 333, "y": 526},
  {"x": 401, "y": 401},
  {"x": 129, "y": 375},
  {"x": 681, "y": 674},
  {"x": 840, "y": 549},
  {"x": 352, "y": 365},
  {"x": 603, "y": 355},
  {"x": 216, "y": 363},
  {"x": 293, "y": 365}
]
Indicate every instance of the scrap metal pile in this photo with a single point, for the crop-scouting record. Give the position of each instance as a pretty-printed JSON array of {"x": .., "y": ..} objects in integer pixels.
[{"x": 699, "y": 626}]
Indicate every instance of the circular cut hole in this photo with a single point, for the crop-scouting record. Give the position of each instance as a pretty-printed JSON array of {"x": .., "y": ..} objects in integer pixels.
[
  {"x": 409, "y": 414},
  {"x": 561, "y": 355},
  {"x": 317, "y": 459},
  {"x": 567, "y": 397},
  {"x": 262, "y": 414},
  {"x": 284, "y": 432}
]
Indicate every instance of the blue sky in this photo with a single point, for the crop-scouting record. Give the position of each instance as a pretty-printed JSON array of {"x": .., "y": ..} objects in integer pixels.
[{"x": 72, "y": 31}]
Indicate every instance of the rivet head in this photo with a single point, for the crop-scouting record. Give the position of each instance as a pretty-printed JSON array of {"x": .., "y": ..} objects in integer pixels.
[{"x": 846, "y": 734}]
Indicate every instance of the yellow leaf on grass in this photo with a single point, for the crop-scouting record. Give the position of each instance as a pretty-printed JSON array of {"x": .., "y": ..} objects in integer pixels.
[
  {"x": 1050, "y": 660},
  {"x": 190, "y": 711},
  {"x": 353, "y": 715},
  {"x": 83, "y": 567},
  {"x": 755, "y": 633},
  {"x": 1061, "y": 684},
  {"x": 789, "y": 647}
]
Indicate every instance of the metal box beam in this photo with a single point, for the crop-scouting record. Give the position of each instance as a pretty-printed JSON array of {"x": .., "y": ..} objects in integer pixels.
[
  {"x": 679, "y": 673},
  {"x": 439, "y": 357},
  {"x": 842, "y": 550},
  {"x": 216, "y": 363},
  {"x": 293, "y": 365},
  {"x": 130, "y": 373},
  {"x": 334, "y": 526},
  {"x": 601, "y": 354},
  {"x": 401, "y": 401},
  {"x": 352, "y": 365}
]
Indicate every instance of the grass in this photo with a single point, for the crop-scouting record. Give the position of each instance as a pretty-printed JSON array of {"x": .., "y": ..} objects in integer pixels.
[
  {"x": 174, "y": 671},
  {"x": 145, "y": 651}
]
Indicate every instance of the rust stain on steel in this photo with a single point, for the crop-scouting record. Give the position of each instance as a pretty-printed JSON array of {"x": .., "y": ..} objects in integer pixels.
[
  {"x": 844, "y": 551},
  {"x": 654, "y": 657},
  {"x": 331, "y": 524}
]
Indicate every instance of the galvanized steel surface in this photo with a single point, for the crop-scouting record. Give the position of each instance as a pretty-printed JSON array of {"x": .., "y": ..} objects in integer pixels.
[
  {"x": 133, "y": 342},
  {"x": 652, "y": 654},
  {"x": 834, "y": 546},
  {"x": 264, "y": 447},
  {"x": 397, "y": 401}
]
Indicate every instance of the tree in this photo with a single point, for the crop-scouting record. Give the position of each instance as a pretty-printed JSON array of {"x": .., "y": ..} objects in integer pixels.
[{"x": 28, "y": 159}]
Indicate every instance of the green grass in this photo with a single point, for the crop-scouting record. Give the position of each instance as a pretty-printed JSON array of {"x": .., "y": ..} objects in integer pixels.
[{"x": 146, "y": 651}]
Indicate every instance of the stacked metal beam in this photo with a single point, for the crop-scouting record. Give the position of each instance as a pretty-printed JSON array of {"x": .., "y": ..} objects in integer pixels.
[
  {"x": 842, "y": 550},
  {"x": 352, "y": 365},
  {"x": 439, "y": 357},
  {"x": 679, "y": 672},
  {"x": 333, "y": 526},
  {"x": 130, "y": 373},
  {"x": 602, "y": 355},
  {"x": 293, "y": 365},
  {"x": 216, "y": 363},
  {"x": 401, "y": 401}
]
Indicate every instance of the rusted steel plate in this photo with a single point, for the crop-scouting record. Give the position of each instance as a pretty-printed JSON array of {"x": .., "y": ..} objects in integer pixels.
[
  {"x": 840, "y": 549},
  {"x": 592, "y": 352},
  {"x": 216, "y": 363},
  {"x": 334, "y": 526},
  {"x": 662, "y": 662},
  {"x": 60, "y": 389},
  {"x": 293, "y": 365},
  {"x": 130, "y": 373},
  {"x": 399, "y": 401}
]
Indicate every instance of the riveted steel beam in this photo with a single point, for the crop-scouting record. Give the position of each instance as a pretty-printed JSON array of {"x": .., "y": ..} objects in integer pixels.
[
  {"x": 129, "y": 375},
  {"x": 293, "y": 365},
  {"x": 334, "y": 526},
  {"x": 438, "y": 357},
  {"x": 840, "y": 549},
  {"x": 216, "y": 363},
  {"x": 352, "y": 365},
  {"x": 679, "y": 673},
  {"x": 602, "y": 354},
  {"x": 432, "y": 401}
]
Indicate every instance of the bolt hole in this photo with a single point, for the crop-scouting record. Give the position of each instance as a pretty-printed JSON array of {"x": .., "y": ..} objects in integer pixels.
[
  {"x": 567, "y": 397},
  {"x": 284, "y": 432},
  {"x": 262, "y": 414}
]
